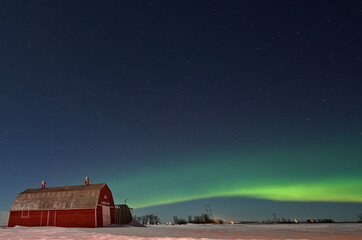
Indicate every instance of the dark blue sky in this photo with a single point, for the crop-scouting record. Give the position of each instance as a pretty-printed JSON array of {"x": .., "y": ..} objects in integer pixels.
[{"x": 147, "y": 90}]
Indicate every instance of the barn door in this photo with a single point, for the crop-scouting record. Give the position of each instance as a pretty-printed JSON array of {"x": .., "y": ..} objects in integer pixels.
[
  {"x": 106, "y": 212},
  {"x": 48, "y": 218},
  {"x": 44, "y": 218}
]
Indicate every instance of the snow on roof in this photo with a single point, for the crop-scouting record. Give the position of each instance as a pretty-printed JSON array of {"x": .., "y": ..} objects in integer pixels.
[{"x": 68, "y": 197}]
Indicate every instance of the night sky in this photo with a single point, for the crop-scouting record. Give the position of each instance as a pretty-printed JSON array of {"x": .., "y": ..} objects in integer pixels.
[{"x": 237, "y": 103}]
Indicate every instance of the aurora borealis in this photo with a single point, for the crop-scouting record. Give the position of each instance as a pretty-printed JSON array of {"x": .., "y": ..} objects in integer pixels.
[
  {"x": 299, "y": 175},
  {"x": 252, "y": 105}
]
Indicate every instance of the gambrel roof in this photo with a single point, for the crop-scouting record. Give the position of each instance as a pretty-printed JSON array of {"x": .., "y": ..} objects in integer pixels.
[{"x": 68, "y": 197}]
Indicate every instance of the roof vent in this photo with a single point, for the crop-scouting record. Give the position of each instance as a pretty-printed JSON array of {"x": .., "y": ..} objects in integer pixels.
[
  {"x": 43, "y": 183},
  {"x": 86, "y": 181}
]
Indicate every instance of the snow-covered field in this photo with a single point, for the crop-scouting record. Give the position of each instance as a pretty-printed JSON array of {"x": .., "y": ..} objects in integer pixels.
[{"x": 189, "y": 232}]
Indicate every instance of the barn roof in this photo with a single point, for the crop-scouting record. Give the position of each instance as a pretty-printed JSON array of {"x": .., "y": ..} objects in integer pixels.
[{"x": 68, "y": 197}]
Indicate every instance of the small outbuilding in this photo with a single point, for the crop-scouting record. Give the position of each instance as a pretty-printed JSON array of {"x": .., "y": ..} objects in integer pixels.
[
  {"x": 123, "y": 214},
  {"x": 88, "y": 205}
]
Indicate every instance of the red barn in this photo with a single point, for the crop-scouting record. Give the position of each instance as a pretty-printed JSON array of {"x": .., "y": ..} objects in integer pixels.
[{"x": 88, "y": 205}]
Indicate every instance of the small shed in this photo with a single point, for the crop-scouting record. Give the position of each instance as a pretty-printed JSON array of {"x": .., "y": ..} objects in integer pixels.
[
  {"x": 123, "y": 214},
  {"x": 88, "y": 205}
]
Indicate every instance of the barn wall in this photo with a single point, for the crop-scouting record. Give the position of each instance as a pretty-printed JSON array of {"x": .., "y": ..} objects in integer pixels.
[
  {"x": 105, "y": 197},
  {"x": 76, "y": 218},
  {"x": 26, "y": 218},
  {"x": 59, "y": 218}
]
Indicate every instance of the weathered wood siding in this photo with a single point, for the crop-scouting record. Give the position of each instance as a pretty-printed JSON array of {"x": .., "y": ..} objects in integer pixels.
[
  {"x": 123, "y": 214},
  {"x": 76, "y": 218},
  {"x": 106, "y": 199},
  {"x": 33, "y": 218},
  {"x": 57, "y": 218}
]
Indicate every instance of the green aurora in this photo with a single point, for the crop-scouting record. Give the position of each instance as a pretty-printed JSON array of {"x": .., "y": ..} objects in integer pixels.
[{"x": 322, "y": 174}]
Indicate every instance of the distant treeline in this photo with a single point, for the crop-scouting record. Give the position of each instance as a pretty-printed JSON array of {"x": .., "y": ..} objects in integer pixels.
[
  {"x": 287, "y": 221},
  {"x": 204, "y": 218},
  {"x": 149, "y": 219}
]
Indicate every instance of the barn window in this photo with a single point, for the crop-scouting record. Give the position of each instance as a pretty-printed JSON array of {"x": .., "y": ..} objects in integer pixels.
[
  {"x": 105, "y": 197},
  {"x": 25, "y": 214}
]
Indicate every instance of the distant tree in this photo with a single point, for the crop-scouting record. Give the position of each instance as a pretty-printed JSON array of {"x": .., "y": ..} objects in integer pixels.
[
  {"x": 144, "y": 219},
  {"x": 206, "y": 218},
  {"x": 156, "y": 220},
  {"x": 150, "y": 219},
  {"x": 274, "y": 217},
  {"x": 153, "y": 219},
  {"x": 175, "y": 219},
  {"x": 197, "y": 219},
  {"x": 179, "y": 221},
  {"x": 325, "y": 220},
  {"x": 359, "y": 217}
]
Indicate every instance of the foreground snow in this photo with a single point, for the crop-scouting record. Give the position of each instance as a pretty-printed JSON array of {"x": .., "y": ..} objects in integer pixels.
[{"x": 189, "y": 232}]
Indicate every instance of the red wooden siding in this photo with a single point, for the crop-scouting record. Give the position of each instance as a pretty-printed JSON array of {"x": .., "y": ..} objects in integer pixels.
[
  {"x": 51, "y": 218},
  {"x": 58, "y": 218},
  {"x": 33, "y": 219},
  {"x": 76, "y": 218},
  {"x": 105, "y": 197}
]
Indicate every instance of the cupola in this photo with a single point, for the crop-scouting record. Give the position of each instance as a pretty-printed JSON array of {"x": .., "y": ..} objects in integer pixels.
[
  {"x": 86, "y": 181},
  {"x": 43, "y": 183}
]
